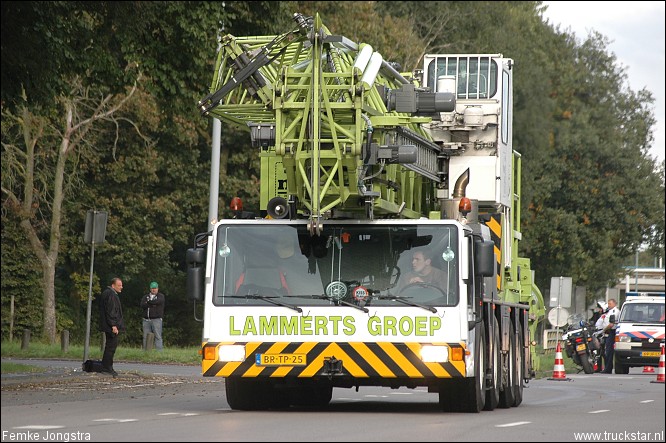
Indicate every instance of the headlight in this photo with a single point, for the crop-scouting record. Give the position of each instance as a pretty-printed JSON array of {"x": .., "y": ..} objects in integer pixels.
[
  {"x": 624, "y": 339},
  {"x": 231, "y": 353},
  {"x": 434, "y": 354}
]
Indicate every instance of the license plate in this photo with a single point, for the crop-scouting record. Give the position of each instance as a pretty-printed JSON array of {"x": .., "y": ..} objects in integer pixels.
[
  {"x": 280, "y": 360},
  {"x": 580, "y": 347},
  {"x": 650, "y": 354}
]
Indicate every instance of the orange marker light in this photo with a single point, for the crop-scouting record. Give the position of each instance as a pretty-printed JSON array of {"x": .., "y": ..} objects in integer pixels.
[
  {"x": 465, "y": 206},
  {"x": 236, "y": 204}
]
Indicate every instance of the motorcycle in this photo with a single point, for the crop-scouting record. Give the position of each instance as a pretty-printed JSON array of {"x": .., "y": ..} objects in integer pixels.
[{"x": 583, "y": 344}]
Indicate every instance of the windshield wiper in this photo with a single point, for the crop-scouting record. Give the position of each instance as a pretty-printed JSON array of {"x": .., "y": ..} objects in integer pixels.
[
  {"x": 269, "y": 299},
  {"x": 333, "y": 299},
  {"x": 404, "y": 301}
]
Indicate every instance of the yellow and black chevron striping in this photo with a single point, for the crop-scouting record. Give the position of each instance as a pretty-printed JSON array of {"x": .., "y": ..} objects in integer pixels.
[
  {"x": 359, "y": 360},
  {"x": 494, "y": 223}
]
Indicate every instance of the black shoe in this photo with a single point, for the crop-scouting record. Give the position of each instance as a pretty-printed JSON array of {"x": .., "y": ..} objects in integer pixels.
[{"x": 110, "y": 371}]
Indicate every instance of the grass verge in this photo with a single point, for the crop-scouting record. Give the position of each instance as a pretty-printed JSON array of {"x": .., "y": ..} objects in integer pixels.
[{"x": 186, "y": 356}]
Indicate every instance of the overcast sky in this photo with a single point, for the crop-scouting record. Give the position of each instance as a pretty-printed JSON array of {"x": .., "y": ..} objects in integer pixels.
[{"x": 636, "y": 33}]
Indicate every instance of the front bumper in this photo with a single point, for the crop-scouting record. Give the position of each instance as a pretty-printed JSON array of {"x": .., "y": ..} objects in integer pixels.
[{"x": 638, "y": 356}]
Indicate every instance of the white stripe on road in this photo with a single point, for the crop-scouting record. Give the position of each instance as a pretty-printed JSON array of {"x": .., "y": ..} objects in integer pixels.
[
  {"x": 45, "y": 427},
  {"x": 517, "y": 423}
]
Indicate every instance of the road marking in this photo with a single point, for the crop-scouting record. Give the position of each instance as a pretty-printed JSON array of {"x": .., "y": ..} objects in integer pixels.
[
  {"x": 599, "y": 411},
  {"x": 183, "y": 414},
  {"x": 517, "y": 423},
  {"x": 119, "y": 420},
  {"x": 42, "y": 427},
  {"x": 647, "y": 401}
]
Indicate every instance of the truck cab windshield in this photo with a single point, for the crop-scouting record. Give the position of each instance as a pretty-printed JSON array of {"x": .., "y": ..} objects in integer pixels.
[{"x": 359, "y": 264}]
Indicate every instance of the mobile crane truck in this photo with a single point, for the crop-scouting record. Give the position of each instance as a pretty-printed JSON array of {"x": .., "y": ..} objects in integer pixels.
[{"x": 361, "y": 168}]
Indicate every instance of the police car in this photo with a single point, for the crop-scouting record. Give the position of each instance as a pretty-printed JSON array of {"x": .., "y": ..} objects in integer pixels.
[{"x": 639, "y": 331}]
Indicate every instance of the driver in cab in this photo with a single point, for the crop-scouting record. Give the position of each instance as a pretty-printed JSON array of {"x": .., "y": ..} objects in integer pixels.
[{"x": 422, "y": 272}]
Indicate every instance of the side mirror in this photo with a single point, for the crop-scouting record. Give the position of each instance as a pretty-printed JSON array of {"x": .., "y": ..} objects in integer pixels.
[
  {"x": 195, "y": 259},
  {"x": 611, "y": 319},
  {"x": 484, "y": 258}
]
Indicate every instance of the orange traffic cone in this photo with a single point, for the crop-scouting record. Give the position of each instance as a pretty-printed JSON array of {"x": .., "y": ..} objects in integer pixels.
[
  {"x": 660, "y": 371},
  {"x": 558, "y": 370},
  {"x": 648, "y": 370}
]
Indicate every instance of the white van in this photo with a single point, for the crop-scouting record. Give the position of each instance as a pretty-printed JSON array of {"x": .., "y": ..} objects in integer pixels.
[{"x": 639, "y": 331}]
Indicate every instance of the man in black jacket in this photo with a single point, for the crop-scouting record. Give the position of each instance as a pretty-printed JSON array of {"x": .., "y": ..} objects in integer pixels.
[
  {"x": 153, "y": 311},
  {"x": 111, "y": 322}
]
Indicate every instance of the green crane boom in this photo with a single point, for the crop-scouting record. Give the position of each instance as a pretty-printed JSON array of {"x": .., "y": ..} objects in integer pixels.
[{"x": 318, "y": 106}]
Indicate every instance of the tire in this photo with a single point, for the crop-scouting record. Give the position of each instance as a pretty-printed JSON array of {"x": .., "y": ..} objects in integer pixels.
[
  {"x": 520, "y": 374},
  {"x": 494, "y": 361},
  {"x": 506, "y": 394},
  {"x": 450, "y": 391},
  {"x": 250, "y": 394},
  {"x": 585, "y": 362},
  {"x": 467, "y": 394},
  {"x": 620, "y": 368},
  {"x": 239, "y": 394},
  {"x": 311, "y": 396}
]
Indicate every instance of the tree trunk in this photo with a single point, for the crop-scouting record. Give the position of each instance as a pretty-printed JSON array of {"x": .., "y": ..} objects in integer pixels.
[{"x": 48, "y": 270}]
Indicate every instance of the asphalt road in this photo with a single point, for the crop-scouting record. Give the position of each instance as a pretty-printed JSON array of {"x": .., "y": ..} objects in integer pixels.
[{"x": 175, "y": 403}]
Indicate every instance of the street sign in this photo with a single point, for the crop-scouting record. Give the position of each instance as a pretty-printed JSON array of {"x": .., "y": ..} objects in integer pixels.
[
  {"x": 560, "y": 292},
  {"x": 95, "y": 227}
]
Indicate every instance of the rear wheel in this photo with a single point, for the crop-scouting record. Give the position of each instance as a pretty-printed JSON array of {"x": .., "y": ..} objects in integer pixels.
[
  {"x": 620, "y": 368},
  {"x": 509, "y": 360},
  {"x": 493, "y": 389},
  {"x": 586, "y": 363},
  {"x": 518, "y": 386},
  {"x": 311, "y": 396}
]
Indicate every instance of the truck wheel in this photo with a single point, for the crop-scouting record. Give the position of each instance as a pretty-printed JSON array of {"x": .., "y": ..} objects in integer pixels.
[
  {"x": 518, "y": 382},
  {"x": 474, "y": 399},
  {"x": 467, "y": 394},
  {"x": 240, "y": 394},
  {"x": 323, "y": 395},
  {"x": 250, "y": 394},
  {"x": 311, "y": 396},
  {"x": 493, "y": 390},
  {"x": 506, "y": 395}
]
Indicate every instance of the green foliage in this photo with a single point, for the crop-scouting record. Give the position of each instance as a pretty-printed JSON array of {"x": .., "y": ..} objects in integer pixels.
[
  {"x": 21, "y": 282},
  {"x": 599, "y": 197},
  {"x": 362, "y": 22},
  {"x": 591, "y": 195}
]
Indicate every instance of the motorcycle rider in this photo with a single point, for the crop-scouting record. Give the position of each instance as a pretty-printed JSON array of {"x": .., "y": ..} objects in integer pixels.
[
  {"x": 598, "y": 312},
  {"x": 609, "y": 329},
  {"x": 602, "y": 308}
]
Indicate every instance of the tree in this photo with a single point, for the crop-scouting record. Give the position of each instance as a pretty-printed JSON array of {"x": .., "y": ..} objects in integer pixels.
[
  {"x": 598, "y": 196},
  {"x": 565, "y": 116},
  {"x": 39, "y": 150},
  {"x": 157, "y": 194}
]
